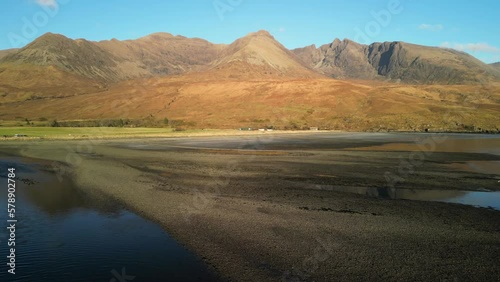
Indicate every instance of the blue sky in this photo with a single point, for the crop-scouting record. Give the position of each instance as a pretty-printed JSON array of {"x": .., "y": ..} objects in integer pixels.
[{"x": 470, "y": 26}]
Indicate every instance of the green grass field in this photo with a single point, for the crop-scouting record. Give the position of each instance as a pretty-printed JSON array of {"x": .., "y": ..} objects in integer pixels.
[
  {"x": 107, "y": 132},
  {"x": 82, "y": 132}
]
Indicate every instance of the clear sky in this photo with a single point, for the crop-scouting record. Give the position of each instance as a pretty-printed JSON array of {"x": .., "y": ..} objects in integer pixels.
[{"x": 466, "y": 25}]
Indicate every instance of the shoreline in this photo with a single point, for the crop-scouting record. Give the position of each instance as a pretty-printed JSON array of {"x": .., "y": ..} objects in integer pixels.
[
  {"x": 207, "y": 133},
  {"x": 249, "y": 222},
  {"x": 40, "y": 171},
  {"x": 214, "y": 133}
]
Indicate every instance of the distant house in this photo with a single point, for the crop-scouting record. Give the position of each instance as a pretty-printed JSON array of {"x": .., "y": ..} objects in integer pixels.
[
  {"x": 314, "y": 128},
  {"x": 20, "y": 135}
]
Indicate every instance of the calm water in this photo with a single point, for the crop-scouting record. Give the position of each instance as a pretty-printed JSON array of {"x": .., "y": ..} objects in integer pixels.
[
  {"x": 64, "y": 235},
  {"x": 484, "y": 199}
]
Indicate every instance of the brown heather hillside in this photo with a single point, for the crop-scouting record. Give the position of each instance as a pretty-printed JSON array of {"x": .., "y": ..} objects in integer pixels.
[
  {"x": 19, "y": 83},
  {"x": 293, "y": 104}
]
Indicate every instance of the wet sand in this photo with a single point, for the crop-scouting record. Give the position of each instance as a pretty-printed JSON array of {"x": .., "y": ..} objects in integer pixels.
[{"x": 251, "y": 207}]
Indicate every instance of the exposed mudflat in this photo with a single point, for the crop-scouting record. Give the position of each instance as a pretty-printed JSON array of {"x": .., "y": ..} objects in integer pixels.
[{"x": 270, "y": 207}]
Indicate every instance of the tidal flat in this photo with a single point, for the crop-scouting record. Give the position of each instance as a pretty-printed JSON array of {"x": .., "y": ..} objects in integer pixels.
[{"x": 312, "y": 206}]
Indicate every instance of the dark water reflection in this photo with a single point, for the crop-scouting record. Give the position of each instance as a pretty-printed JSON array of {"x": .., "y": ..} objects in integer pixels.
[
  {"x": 485, "y": 199},
  {"x": 61, "y": 197},
  {"x": 66, "y": 235}
]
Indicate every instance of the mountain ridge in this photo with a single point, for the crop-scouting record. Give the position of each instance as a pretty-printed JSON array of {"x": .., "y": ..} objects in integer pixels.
[
  {"x": 397, "y": 62},
  {"x": 256, "y": 55}
]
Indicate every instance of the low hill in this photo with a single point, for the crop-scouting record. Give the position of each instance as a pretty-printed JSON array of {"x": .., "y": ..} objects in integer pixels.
[{"x": 188, "y": 101}]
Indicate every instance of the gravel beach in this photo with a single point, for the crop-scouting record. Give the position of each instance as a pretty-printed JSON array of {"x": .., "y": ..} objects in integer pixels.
[{"x": 258, "y": 208}]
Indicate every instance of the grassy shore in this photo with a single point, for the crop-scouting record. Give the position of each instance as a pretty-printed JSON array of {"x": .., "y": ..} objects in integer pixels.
[
  {"x": 72, "y": 133},
  {"x": 82, "y": 132}
]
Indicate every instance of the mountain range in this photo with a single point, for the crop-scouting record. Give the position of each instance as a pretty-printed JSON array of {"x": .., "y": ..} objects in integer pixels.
[
  {"x": 163, "y": 54},
  {"x": 253, "y": 81}
]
